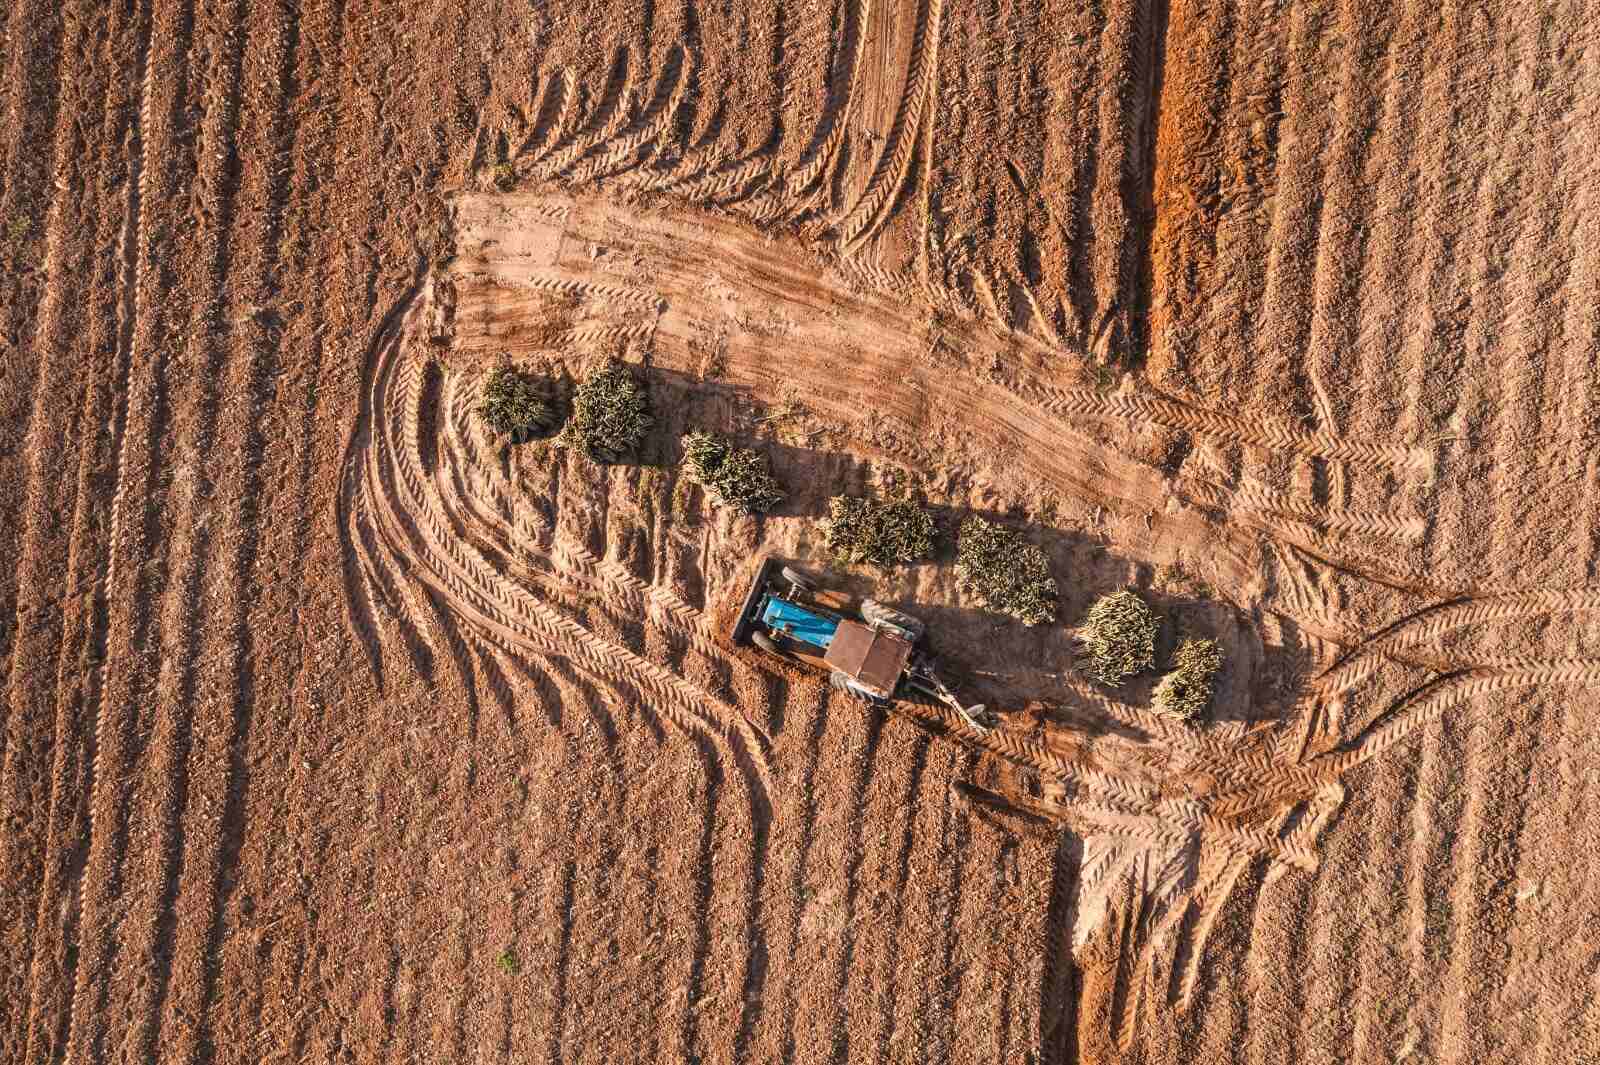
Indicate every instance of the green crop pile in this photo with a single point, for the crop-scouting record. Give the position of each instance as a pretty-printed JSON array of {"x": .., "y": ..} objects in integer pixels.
[
  {"x": 1186, "y": 691},
  {"x": 513, "y": 406},
  {"x": 610, "y": 413},
  {"x": 1120, "y": 634},
  {"x": 883, "y": 532},
  {"x": 736, "y": 476},
  {"x": 1005, "y": 571}
]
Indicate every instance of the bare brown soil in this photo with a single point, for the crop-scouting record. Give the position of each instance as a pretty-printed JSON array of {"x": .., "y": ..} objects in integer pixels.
[{"x": 336, "y": 730}]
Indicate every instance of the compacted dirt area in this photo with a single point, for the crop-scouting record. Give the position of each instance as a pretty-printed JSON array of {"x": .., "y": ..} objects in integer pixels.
[{"x": 336, "y": 729}]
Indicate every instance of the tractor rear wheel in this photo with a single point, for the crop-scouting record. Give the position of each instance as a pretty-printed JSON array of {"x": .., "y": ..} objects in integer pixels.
[
  {"x": 840, "y": 681},
  {"x": 799, "y": 580},
  {"x": 765, "y": 642},
  {"x": 877, "y": 615}
]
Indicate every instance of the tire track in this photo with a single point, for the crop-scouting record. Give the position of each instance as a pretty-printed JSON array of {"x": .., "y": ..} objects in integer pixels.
[
  {"x": 1261, "y": 432},
  {"x": 886, "y": 180},
  {"x": 459, "y": 572},
  {"x": 549, "y": 117},
  {"x": 82, "y": 655},
  {"x": 43, "y": 758},
  {"x": 1429, "y": 625},
  {"x": 179, "y": 815},
  {"x": 653, "y": 123},
  {"x": 818, "y": 162},
  {"x": 606, "y": 119},
  {"x": 261, "y": 190},
  {"x": 123, "y": 730},
  {"x": 1421, "y": 707}
]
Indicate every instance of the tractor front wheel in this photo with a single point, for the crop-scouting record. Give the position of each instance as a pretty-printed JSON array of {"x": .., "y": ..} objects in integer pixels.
[
  {"x": 877, "y": 615},
  {"x": 800, "y": 581},
  {"x": 765, "y": 642}
]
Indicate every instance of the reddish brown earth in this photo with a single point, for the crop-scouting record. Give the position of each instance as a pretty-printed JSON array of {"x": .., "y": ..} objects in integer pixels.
[{"x": 335, "y": 730}]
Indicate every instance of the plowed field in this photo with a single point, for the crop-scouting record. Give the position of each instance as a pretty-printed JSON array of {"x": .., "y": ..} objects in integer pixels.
[{"x": 337, "y": 729}]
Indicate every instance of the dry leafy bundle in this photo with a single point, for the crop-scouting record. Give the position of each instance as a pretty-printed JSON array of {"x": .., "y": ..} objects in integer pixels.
[
  {"x": 1120, "y": 633},
  {"x": 610, "y": 413},
  {"x": 514, "y": 406},
  {"x": 737, "y": 476},
  {"x": 884, "y": 533},
  {"x": 1186, "y": 691},
  {"x": 1005, "y": 571}
]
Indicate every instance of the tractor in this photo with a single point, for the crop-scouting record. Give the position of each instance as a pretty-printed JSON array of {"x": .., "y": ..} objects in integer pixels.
[{"x": 875, "y": 658}]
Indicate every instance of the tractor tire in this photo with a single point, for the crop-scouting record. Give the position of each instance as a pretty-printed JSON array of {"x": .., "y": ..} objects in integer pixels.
[
  {"x": 765, "y": 642},
  {"x": 877, "y": 615},
  {"x": 840, "y": 682},
  {"x": 799, "y": 580}
]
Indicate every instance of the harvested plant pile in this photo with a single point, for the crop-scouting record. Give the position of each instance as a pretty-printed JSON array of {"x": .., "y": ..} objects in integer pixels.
[
  {"x": 610, "y": 413},
  {"x": 884, "y": 533},
  {"x": 513, "y": 406},
  {"x": 1005, "y": 571},
  {"x": 1186, "y": 691},
  {"x": 737, "y": 476},
  {"x": 1120, "y": 634}
]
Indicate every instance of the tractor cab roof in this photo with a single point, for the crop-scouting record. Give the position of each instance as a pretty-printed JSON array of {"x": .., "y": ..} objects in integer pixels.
[{"x": 874, "y": 658}]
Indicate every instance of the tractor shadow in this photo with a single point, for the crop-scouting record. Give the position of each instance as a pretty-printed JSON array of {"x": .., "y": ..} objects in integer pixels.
[{"x": 1034, "y": 675}]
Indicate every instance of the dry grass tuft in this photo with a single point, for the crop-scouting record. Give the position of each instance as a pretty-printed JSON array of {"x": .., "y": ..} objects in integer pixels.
[
  {"x": 1005, "y": 571},
  {"x": 514, "y": 405},
  {"x": 884, "y": 533},
  {"x": 610, "y": 413},
  {"x": 737, "y": 476},
  {"x": 1120, "y": 634},
  {"x": 1186, "y": 691}
]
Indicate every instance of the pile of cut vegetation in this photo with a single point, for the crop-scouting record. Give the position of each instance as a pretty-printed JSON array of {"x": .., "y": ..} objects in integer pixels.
[
  {"x": 737, "y": 476},
  {"x": 1186, "y": 691},
  {"x": 1006, "y": 572},
  {"x": 1119, "y": 633},
  {"x": 883, "y": 532},
  {"x": 610, "y": 413},
  {"x": 514, "y": 405}
]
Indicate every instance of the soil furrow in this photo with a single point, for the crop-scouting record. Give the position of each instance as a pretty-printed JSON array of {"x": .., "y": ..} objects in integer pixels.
[
  {"x": 39, "y": 777},
  {"x": 35, "y": 68},
  {"x": 265, "y": 132},
  {"x": 887, "y": 976},
  {"x": 178, "y": 821},
  {"x": 163, "y": 163},
  {"x": 80, "y": 666},
  {"x": 1296, "y": 240},
  {"x": 1343, "y": 249}
]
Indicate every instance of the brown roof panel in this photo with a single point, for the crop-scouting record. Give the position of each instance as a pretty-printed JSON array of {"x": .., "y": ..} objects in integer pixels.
[{"x": 874, "y": 658}]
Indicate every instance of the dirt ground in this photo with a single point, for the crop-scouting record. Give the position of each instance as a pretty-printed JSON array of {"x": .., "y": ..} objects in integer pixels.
[{"x": 335, "y": 729}]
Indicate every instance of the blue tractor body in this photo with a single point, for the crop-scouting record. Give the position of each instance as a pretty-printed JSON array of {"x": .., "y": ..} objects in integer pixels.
[
  {"x": 874, "y": 658},
  {"x": 798, "y": 623}
]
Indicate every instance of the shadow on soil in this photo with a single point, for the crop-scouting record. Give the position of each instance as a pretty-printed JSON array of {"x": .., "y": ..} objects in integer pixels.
[{"x": 990, "y": 657}]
